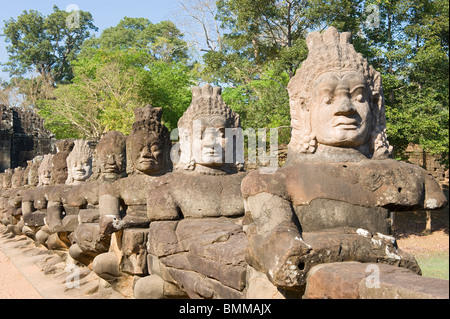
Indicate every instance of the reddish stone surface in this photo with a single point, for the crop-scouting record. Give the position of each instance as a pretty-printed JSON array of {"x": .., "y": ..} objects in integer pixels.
[{"x": 371, "y": 281}]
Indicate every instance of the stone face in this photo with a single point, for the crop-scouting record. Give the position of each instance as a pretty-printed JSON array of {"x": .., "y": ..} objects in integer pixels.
[
  {"x": 79, "y": 163},
  {"x": 321, "y": 119},
  {"x": 110, "y": 156},
  {"x": 45, "y": 170},
  {"x": 202, "y": 129},
  {"x": 59, "y": 172}
]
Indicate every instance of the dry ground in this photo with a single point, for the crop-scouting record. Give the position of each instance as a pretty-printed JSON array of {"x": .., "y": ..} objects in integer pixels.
[{"x": 430, "y": 250}]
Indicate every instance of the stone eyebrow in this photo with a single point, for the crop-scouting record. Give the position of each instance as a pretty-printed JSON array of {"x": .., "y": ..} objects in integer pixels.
[{"x": 358, "y": 86}]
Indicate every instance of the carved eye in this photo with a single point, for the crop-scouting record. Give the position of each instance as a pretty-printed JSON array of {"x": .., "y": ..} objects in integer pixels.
[
  {"x": 326, "y": 100},
  {"x": 359, "y": 97},
  {"x": 154, "y": 148}
]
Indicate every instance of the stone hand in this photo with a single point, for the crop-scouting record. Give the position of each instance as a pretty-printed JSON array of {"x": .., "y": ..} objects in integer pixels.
[
  {"x": 278, "y": 255},
  {"x": 110, "y": 224}
]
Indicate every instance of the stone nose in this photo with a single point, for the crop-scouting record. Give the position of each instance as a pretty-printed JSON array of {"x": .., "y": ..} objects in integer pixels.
[
  {"x": 210, "y": 138},
  {"x": 345, "y": 106},
  {"x": 110, "y": 159},
  {"x": 146, "y": 152}
]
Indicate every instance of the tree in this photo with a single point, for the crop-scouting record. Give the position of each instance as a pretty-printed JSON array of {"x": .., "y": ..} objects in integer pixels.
[
  {"x": 416, "y": 78},
  {"x": 261, "y": 46},
  {"x": 108, "y": 85},
  {"x": 46, "y": 44},
  {"x": 164, "y": 41}
]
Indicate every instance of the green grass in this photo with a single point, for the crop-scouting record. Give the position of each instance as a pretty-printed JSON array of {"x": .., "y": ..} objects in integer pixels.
[{"x": 434, "y": 264}]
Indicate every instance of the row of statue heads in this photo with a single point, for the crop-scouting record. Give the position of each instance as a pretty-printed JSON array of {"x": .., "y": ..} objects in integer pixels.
[
  {"x": 336, "y": 101},
  {"x": 145, "y": 151}
]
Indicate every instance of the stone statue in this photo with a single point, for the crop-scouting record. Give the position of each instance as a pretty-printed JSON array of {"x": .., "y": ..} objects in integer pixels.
[
  {"x": 14, "y": 194},
  {"x": 35, "y": 199},
  {"x": 4, "y": 195},
  {"x": 202, "y": 159},
  {"x": 110, "y": 165},
  {"x": 332, "y": 199},
  {"x": 196, "y": 211},
  {"x": 123, "y": 203},
  {"x": 33, "y": 173},
  {"x": 63, "y": 206},
  {"x": 148, "y": 147}
]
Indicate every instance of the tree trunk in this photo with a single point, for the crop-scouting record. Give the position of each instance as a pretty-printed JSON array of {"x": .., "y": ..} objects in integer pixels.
[
  {"x": 428, "y": 225},
  {"x": 428, "y": 221}
]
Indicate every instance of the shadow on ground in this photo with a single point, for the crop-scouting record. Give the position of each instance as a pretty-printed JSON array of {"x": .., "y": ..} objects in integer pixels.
[{"x": 414, "y": 223}]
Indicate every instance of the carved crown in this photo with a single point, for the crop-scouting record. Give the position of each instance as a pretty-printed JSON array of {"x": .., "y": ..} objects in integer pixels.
[{"x": 207, "y": 101}]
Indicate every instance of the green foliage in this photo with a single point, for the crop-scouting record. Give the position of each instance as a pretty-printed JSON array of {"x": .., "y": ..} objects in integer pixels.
[
  {"x": 416, "y": 76},
  {"x": 164, "y": 41},
  {"x": 45, "y": 44},
  {"x": 108, "y": 85}
]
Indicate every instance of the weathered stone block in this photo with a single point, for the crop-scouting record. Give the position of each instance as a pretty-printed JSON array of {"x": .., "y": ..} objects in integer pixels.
[
  {"x": 88, "y": 215},
  {"x": 352, "y": 280},
  {"x": 34, "y": 219},
  {"x": 163, "y": 240}
]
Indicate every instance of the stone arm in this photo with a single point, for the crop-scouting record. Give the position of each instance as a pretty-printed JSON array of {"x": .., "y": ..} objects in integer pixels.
[
  {"x": 109, "y": 210},
  {"x": 54, "y": 216},
  {"x": 55, "y": 208},
  {"x": 160, "y": 203},
  {"x": 434, "y": 196},
  {"x": 275, "y": 243},
  {"x": 28, "y": 203}
]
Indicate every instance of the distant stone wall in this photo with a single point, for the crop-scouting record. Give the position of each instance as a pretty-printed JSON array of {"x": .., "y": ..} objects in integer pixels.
[
  {"x": 22, "y": 137},
  {"x": 429, "y": 162}
]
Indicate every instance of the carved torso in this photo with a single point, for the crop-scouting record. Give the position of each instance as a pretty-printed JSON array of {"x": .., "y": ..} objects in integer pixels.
[
  {"x": 369, "y": 183},
  {"x": 194, "y": 195}
]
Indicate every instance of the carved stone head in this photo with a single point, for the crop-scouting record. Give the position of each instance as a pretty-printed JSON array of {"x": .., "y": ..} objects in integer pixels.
[
  {"x": 148, "y": 145},
  {"x": 110, "y": 155},
  {"x": 202, "y": 129},
  {"x": 59, "y": 172},
  {"x": 45, "y": 170},
  {"x": 17, "y": 178},
  {"x": 79, "y": 163},
  {"x": 7, "y": 176},
  {"x": 33, "y": 173},
  {"x": 336, "y": 99}
]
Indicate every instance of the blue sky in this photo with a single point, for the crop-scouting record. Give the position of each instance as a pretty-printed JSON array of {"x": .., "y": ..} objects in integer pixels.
[{"x": 105, "y": 13}]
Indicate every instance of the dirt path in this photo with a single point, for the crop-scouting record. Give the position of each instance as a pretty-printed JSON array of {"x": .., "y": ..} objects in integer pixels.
[{"x": 13, "y": 284}]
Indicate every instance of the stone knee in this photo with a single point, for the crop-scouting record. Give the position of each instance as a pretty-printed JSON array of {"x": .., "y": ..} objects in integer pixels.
[{"x": 106, "y": 266}]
